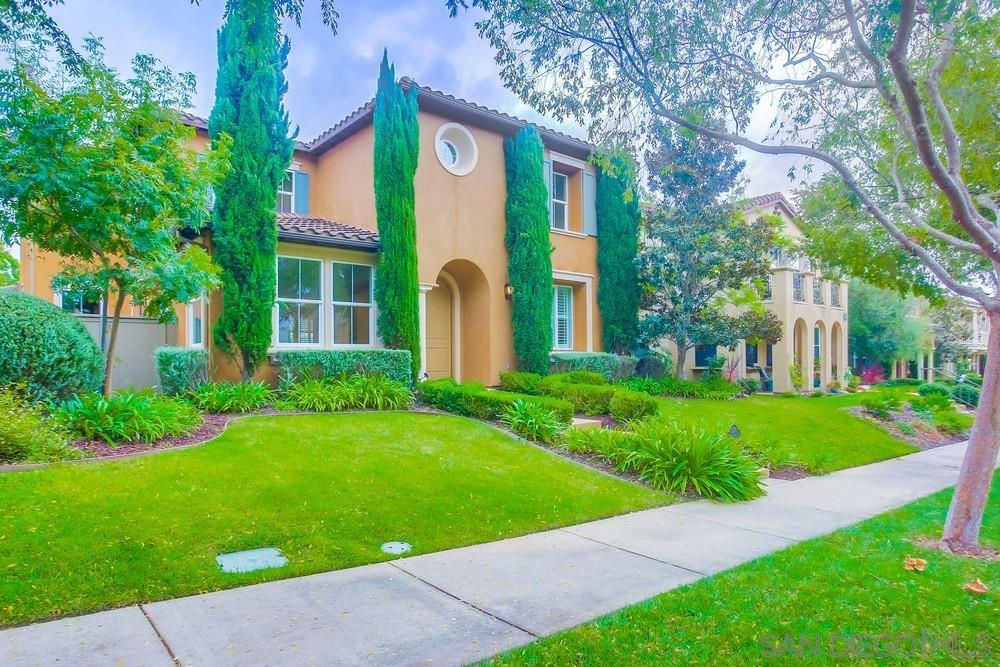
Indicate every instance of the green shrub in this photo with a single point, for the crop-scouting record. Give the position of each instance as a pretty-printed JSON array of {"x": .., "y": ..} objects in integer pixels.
[
  {"x": 181, "y": 369},
  {"x": 682, "y": 459},
  {"x": 47, "y": 351},
  {"x": 27, "y": 435},
  {"x": 630, "y": 406},
  {"x": 904, "y": 382},
  {"x": 600, "y": 441},
  {"x": 749, "y": 385},
  {"x": 520, "y": 382},
  {"x": 965, "y": 394},
  {"x": 127, "y": 416},
  {"x": 713, "y": 369},
  {"x": 587, "y": 399},
  {"x": 881, "y": 403},
  {"x": 533, "y": 421},
  {"x": 221, "y": 397},
  {"x": 299, "y": 364},
  {"x": 474, "y": 400},
  {"x": 817, "y": 393},
  {"x": 655, "y": 365},
  {"x": 934, "y": 388},
  {"x": 347, "y": 392},
  {"x": 931, "y": 403},
  {"x": 951, "y": 422},
  {"x": 718, "y": 389},
  {"x": 575, "y": 377},
  {"x": 771, "y": 453},
  {"x": 611, "y": 366}
]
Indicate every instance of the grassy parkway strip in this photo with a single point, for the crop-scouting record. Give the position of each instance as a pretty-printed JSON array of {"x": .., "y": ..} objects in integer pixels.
[{"x": 466, "y": 604}]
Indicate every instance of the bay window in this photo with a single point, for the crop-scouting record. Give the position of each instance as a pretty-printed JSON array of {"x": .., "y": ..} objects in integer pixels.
[{"x": 300, "y": 301}]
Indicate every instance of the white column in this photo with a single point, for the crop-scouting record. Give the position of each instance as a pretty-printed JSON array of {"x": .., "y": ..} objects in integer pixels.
[{"x": 424, "y": 289}]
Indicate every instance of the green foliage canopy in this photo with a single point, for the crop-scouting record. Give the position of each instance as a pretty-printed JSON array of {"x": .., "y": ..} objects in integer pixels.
[
  {"x": 885, "y": 326},
  {"x": 617, "y": 250}
]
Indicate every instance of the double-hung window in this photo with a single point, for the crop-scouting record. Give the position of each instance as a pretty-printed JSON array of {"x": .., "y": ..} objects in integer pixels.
[
  {"x": 562, "y": 317},
  {"x": 300, "y": 301},
  {"x": 352, "y": 304},
  {"x": 560, "y": 201},
  {"x": 817, "y": 290},
  {"x": 286, "y": 193}
]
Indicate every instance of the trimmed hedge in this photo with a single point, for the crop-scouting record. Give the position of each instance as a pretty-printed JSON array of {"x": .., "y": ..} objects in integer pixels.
[
  {"x": 180, "y": 369},
  {"x": 611, "y": 366},
  {"x": 629, "y": 406},
  {"x": 520, "y": 382},
  {"x": 298, "y": 364},
  {"x": 934, "y": 388},
  {"x": 472, "y": 399},
  {"x": 717, "y": 389},
  {"x": 47, "y": 351},
  {"x": 904, "y": 382},
  {"x": 966, "y": 393}
]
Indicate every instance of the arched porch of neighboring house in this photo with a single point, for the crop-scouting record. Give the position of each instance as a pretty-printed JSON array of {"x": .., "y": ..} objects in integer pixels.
[
  {"x": 837, "y": 360},
  {"x": 455, "y": 324},
  {"x": 801, "y": 354},
  {"x": 819, "y": 369}
]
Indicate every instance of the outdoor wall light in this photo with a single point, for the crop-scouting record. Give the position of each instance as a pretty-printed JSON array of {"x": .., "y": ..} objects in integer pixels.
[{"x": 508, "y": 291}]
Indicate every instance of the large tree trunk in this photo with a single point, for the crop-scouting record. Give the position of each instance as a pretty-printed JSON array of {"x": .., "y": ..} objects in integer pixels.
[
  {"x": 682, "y": 352},
  {"x": 109, "y": 356},
  {"x": 965, "y": 516}
]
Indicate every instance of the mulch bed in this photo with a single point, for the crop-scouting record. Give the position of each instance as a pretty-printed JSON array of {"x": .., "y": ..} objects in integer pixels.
[
  {"x": 211, "y": 426},
  {"x": 790, "y": 473},
  {"x": 926, "y": 436}
]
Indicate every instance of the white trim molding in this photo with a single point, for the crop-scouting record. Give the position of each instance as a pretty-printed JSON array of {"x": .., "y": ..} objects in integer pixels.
[{"x": 587, "y": 279}]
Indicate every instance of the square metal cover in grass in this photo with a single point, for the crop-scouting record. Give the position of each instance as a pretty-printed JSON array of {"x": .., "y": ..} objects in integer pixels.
[{"x": 251, "y": 560}]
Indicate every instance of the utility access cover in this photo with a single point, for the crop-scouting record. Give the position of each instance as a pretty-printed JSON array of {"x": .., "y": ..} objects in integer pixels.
[
  {"x": 396, "y": 548},
  {"x": 251, "y": 560}
]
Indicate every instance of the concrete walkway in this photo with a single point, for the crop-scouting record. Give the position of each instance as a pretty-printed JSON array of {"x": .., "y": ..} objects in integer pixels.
[{"x": 466, "y": 604}]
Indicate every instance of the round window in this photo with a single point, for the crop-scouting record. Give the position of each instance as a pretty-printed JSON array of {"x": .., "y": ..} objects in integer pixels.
[{"x": 456, "y": 149}]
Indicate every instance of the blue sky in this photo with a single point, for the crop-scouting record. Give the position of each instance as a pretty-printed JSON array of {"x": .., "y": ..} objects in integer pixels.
[{"x": 330, "y": 75}]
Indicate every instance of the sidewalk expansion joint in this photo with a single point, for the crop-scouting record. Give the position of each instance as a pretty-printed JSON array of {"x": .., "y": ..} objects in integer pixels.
[
  {"x": 635, "y": 553},
  {"x": 466, "y": 602},
  {"x": 160, "y": 636}
]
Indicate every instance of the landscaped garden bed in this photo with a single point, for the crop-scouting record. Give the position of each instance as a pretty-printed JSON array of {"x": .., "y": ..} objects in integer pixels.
[{"x": 925, "y": 419}]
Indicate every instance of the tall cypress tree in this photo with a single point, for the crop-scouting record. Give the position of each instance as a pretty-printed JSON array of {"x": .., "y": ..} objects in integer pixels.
[
  {"x": 529, "y": 252},
  {"x": 617, "y": 247},
  {"x": 396, "y": 149},
  {"x": 248, "y": 107}
]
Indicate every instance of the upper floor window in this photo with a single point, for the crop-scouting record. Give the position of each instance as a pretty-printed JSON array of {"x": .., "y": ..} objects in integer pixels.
[
  {"x": 352, "y": 304},
  {"x": 78, "y": 304},
  {"x": 300, "y": 301},
  {"x": 560, "y": 201},
  {"x": 817, "y": 290},
  {"x": 768, "y": 288},
  {"x": 835, "y": 295},
  {"x": 286, "y": 193},
  {"x": 456, "y": 149},
  {"x": 562, "y": 317},
  {"x": 798, "y": 286}
]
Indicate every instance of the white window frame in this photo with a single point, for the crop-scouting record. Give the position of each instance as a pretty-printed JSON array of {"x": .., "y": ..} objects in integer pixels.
[
  {"x": 321, "y": 315},
  {"x": 370, "y": 305},
  {"x": 553, "y": 201},
  {"x": 568, "y": 345},
  {"x": 290, "y": 193},
  {"x": 203, "y": 300}
]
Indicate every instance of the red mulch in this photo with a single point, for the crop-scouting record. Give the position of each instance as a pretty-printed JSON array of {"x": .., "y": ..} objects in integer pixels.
[
  {"x": 211, "y": 426},
  {"x": 790, "y": 473}
]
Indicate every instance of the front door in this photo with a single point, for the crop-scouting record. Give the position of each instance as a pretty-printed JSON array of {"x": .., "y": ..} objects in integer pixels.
[{"x": 439, "y": 332}]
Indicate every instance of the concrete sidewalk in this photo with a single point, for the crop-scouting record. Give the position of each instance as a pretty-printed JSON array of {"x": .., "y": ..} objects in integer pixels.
[{"x": 462, "y": 605}]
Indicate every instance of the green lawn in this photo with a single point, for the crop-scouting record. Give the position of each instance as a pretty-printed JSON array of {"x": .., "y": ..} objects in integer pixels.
[
  {"x": 327, "y": 490},
  {"x": 821, "y": 432},
  {"x": 851, "y": 582}
]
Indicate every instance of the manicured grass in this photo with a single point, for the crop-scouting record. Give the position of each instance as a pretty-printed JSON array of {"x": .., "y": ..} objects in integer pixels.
[
  {"x": 821, "y": 432},
  {"x": 851, "y": 582},
  {"x": 327, "y": 490}
]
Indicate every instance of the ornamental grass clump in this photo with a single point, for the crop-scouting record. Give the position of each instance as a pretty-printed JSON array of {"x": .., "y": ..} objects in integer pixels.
[
  {"x": 347, "y": 392},
  {"x": 127, "y": 416},
  {"x": 533, "y": 421},
  {"x": 222, "y": 397}
]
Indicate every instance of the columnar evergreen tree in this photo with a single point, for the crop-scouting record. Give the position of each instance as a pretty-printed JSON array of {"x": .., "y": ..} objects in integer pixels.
[
  {"x": 617, "y": 247},
  {"x": 396, "y": 148},
  {"x": 248, "y": 107},
  {"x": 529, "y": 261}
]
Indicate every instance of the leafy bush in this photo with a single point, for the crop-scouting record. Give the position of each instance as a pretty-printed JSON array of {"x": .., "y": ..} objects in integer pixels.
[
  {"x": 771, "y": 453},
  {"x": 533, "y": 421},
  {"x": 881, "y": 403},
  {"x": 127, "y": 416},
  {"x": 26, "y": 435},
  {"x": 719, "y": 389},
  {"x": 966, "y": 394},
  {"x": 220, "y": 397},
  {"x": 951, "y": 422},
  {"x": 611, "y": 366},
  {"x": 629, "y": 406},
  {"x": 348, "y": 392},
  {"x": 904, "y": 382},
  {"x": 817, "y": 393},
  {"x": 928, "y": 404},
  {"x": 47, "y": 351},
  {"x": 472, "y": 399},
  {"x": 300, "y": 364},
  {"x": 749, "y": 385},
  {"x": 934, "y": 388},
  {"x": 713, "y": 369},
  {"x": 654, "y": 365},
  {"x": 587, "y": 399},
  {"x": 600, "y": 441},
  {"x": 181, "y": 369},
  {"x": 872, "y": 374},
  {"x": 575, "y": 377},
  {"x": 681, "y": 459},
  {"x": 520, "y": 382}
]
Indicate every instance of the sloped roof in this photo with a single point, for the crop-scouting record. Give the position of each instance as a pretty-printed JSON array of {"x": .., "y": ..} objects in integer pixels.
[
  {"x": 200, "y": 123},
  {"x": 771, "y": 199},
  {"x": 320, "y": 231}
]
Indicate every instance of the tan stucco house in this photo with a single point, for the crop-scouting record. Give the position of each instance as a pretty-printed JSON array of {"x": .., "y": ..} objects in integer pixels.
[
  {"x": 328, "y": 241},
  {"x": 813, "y": 309}
]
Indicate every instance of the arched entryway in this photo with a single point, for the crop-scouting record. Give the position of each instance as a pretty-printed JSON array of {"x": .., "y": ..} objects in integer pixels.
[
  {"x": 819, "y": 360},
  {"x": 458, "y": 334},
  {"x": 836, "y": 355},
  {"x": 801, "y": 351}
]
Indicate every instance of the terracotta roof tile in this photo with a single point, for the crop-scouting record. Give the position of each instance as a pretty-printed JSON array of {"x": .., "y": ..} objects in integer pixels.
[
  {"x": 307, "y": 228},
  {"x": 771, "y": 198}
]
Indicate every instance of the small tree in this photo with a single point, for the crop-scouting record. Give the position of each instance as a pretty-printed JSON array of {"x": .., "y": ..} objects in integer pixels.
[
  {"x": 397, "y": 144},
  {"x": 952, "y": 331},
  {"x": 99, "y": 170},
  {"x": 529, "y": 251},
  {"x": 248, "y": 107},
  {"x": 885, "y": 326},
  {"x": 698, "y": 247},
  {"x": 617, "y": 249}
]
